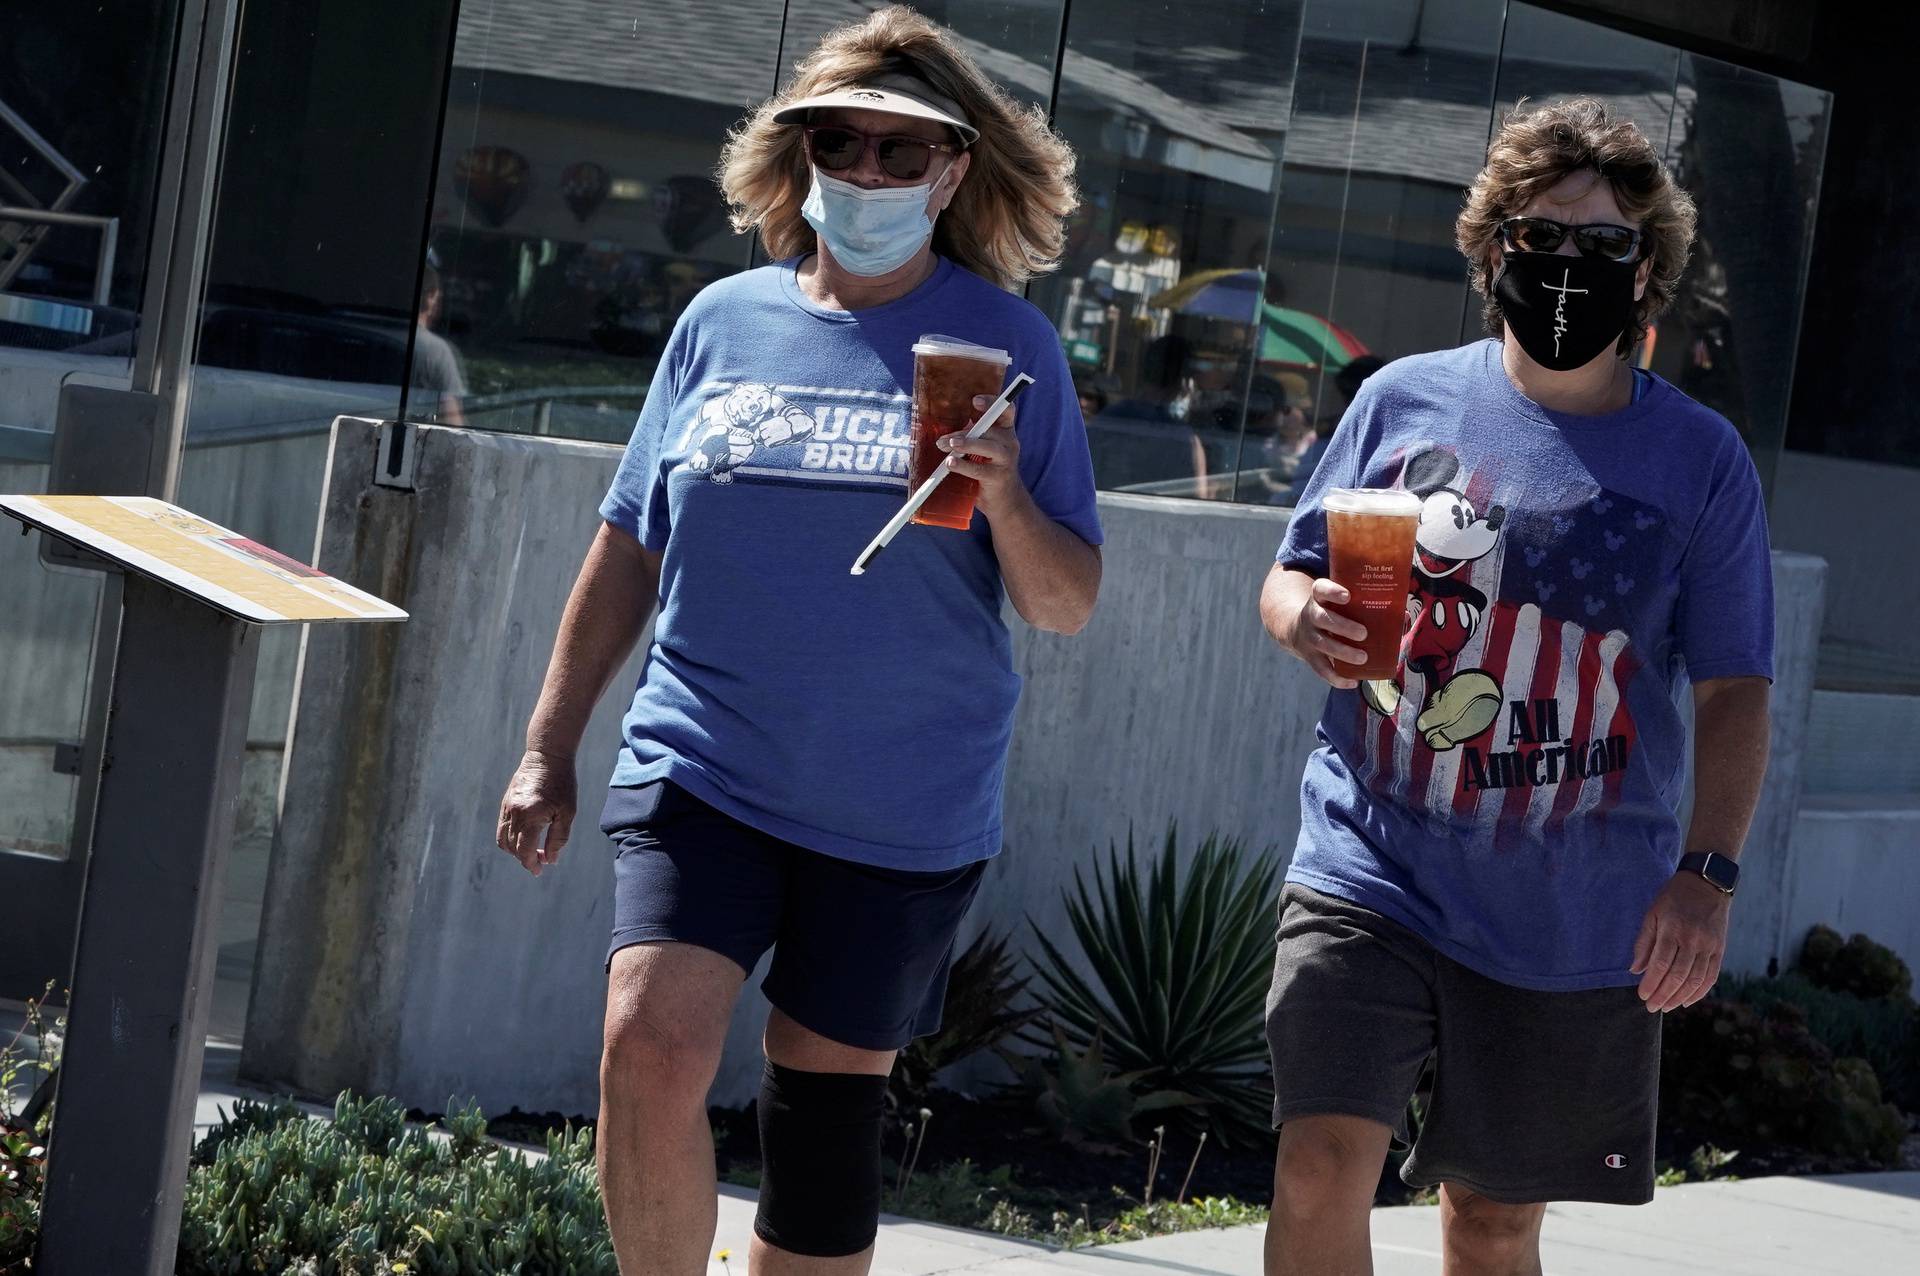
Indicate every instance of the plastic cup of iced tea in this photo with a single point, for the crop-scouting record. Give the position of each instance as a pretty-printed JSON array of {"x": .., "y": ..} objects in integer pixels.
[
  {"x": 1370, "y": 539},
  {"x": 947, "y": 374}
]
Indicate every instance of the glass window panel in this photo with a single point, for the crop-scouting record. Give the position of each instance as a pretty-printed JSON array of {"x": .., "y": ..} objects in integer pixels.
[
  {"x": 575, "y": 213},
  {"x": 1179, "y": 116},
  {"x": 1389, "y": 126},
  {"x": 1549, "y": 55},
  {"x": 1014, "y": 41},
  {"x": 83, "y": 142},
  {"x": 309, "y": 298},
  {"x": 1749, "y": 148}
]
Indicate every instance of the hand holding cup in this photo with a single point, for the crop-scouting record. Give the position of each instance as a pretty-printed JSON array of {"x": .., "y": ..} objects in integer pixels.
[{"x": 1321, "y": 635}]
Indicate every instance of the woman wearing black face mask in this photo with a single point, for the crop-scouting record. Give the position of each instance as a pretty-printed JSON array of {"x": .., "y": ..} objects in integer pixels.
[{"x": 1491, "y": 871}]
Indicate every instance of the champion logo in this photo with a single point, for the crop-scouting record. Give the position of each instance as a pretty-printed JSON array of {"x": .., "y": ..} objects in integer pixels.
[
  {"x": 868, "y": 95},
  {"x": 1559, "y": 330},
  {"x": 1616, "y": 1162}
]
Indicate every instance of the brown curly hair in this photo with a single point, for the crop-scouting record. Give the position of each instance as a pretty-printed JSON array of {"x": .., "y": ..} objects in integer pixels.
[
  {"x": 1005, "y": 222},
  {"x": 1536, "y": 149}
]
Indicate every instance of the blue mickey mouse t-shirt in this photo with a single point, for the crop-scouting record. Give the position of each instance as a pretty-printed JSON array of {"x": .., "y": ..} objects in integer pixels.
[
  {"x": 1510, "y": 795},
  {"x": 863, "y": 717}
]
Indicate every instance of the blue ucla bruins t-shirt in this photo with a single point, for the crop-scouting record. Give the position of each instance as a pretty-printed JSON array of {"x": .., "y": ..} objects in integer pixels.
[
  {"x": 1510, "y": 796},
  {"x": 864, "y": 717}
]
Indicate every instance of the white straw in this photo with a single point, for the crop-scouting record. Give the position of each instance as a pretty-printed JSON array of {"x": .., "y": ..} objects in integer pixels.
[{"x": 1020, "y": 382}]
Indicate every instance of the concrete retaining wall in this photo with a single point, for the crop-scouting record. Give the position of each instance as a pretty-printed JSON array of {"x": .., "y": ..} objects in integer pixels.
[{"x": 401, "y": 952}]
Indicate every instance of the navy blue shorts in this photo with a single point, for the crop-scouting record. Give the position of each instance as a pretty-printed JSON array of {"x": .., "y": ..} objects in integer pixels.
[{"x": 860, "y": 954}]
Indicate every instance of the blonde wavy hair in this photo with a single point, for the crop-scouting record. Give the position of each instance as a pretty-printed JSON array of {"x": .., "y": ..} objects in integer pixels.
[
  {"x": 1536, "y": 149},
  {"x": 1005, "y": 221}
]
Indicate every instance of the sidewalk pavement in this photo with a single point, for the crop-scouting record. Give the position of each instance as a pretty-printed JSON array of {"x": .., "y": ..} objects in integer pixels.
[
  {"x": 1847, "y": 1225},
  {"x": 1850, "y": 1225}
]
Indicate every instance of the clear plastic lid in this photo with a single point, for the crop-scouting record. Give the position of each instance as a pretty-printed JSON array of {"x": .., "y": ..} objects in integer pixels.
[
  {"x": 1371, "y": 500},
  {"x": 954, "y": 348}
]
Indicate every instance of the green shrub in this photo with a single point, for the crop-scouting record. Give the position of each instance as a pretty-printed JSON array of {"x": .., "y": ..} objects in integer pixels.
[
  {"x": 1883, "y": 1031},
  {"x": 1162, "y": 1218},
  {"x": 1084, "y": 1103},
  {"x": 958, "y": 1194},
  {"x": 979, "y": 1014},
  {"x": 366, "y": 1194},
  {"x": 24, "y": 1128},
  {"x": 23, "y": 1177},
  {"x": 1731, "y": 1072},
  {"x": 1180, "y": 964},
  {"x": 1706, "y": 1164},
  {"x": 1857, "y": 965}
]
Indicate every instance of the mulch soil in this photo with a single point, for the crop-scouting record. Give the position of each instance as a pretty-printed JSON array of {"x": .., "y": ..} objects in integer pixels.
[{"x": 1050, "y": 1174}]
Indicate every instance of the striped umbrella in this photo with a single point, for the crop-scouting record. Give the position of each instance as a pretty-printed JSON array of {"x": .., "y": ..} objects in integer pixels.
[
  {"x": 1301, "y": 340},
  {"x": 1293, "y": 338}
]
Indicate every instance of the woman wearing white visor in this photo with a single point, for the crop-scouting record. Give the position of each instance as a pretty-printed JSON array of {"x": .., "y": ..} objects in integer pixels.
[{"x": 812, "y": 762}]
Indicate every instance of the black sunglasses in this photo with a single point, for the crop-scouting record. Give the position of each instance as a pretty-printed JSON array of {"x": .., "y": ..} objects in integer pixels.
[
  {"x": 836, "y": 149},
  {"x": 1544, "y": 235}
]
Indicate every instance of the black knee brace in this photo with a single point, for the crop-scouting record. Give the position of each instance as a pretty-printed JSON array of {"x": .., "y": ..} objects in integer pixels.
[{"x": 820, "y": 1161}]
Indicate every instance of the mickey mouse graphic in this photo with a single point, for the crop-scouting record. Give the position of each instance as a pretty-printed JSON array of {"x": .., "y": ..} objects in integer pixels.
[
  {"x": 1443, "y": 608},
  {"x": 740, "y": 422}
]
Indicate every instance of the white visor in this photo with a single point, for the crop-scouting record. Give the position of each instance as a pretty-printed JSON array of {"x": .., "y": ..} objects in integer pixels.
[{"x": 899, "y": 94}]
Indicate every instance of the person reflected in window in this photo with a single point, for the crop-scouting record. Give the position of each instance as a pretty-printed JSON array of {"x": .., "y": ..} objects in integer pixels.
[
  {"x": 437, "y": 374},
  {"x": 1159, "y": 394},
  {"x": 1089, "y": 389},
  {"x": 1348, "y": 380},
  {"x": 1147, "y": 437},
  {"x": 812, "y": 762},
  {"x": 1277, "y": 429}
]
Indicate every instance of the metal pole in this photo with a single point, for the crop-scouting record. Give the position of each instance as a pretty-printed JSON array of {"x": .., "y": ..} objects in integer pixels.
[
  {"x": 143, "y": 973},
  {"x": 183, "y": 222},
  {"x": 103, "y": 265}
]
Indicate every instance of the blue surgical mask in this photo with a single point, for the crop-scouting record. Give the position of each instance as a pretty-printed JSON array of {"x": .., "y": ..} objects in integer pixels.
[{"x": 870, "y": 232}]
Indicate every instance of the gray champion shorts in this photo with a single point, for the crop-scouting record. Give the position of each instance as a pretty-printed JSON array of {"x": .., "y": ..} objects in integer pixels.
[{"x": 1537, "y": 1096}]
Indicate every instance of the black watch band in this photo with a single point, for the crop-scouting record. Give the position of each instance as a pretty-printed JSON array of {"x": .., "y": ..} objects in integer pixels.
[{"x": 1720, "y": 871}]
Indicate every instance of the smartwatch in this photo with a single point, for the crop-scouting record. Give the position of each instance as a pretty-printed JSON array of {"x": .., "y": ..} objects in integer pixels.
[{"x": 1720, "y": 871}]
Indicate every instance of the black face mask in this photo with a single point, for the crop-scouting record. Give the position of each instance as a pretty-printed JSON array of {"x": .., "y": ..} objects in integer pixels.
[{"x": 1564, "y": 310}]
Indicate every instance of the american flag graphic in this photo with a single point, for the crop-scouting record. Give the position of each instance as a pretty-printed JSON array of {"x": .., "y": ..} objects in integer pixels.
[{"x": 1561, "y": 586}]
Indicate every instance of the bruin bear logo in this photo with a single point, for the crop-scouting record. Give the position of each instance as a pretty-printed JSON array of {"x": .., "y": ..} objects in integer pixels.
[{"x": 740, "y": 422}]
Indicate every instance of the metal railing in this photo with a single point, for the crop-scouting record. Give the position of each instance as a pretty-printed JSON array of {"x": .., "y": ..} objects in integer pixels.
[{"x": 108, "y": 227}]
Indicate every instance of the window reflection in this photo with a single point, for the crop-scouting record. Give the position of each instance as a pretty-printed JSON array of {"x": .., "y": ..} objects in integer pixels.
[
  {"x": 79, "y": 155},
  {"x": 575, "y": 213},
  {"x": 1748, "y": 146},
  {"x": 1269, "y": 197},
  {"x": 1179, "y": 116},
  {"x": 1389, "y": 125}
]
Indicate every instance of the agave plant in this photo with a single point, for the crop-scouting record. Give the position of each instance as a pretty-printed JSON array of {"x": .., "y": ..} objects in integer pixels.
[
  {"x": 1180, "y": 965},
  {"x": 1086, "y": 1104}
]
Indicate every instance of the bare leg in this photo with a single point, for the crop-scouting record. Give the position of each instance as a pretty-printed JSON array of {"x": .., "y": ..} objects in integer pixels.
[
  {"x": 1323, "y": 1183},
  {"x": 667, "y": 1012},
  {"x": 791, "y": 1046},
  {"x": 1486, "y": 1238}
]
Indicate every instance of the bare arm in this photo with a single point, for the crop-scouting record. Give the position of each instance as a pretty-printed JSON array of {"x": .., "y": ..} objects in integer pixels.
[
  {"x": 614, "y": 594},
  {"x": 1731, "y": 742},
  {"x": 1684, "y": 937},
  {"x": 1052, "y": 576},
  {"x": 1294, "y": 608}
]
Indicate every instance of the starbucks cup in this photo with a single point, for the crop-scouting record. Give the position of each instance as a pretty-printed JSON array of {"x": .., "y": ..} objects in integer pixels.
[
  {"x": 947, "y": 375},
  {"x": 1370, "y": 538}
]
